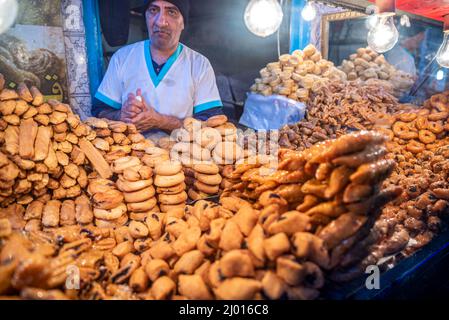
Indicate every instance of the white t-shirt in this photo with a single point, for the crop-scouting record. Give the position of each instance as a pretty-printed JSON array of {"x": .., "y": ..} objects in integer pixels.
[{"x": 185, "y": 85}]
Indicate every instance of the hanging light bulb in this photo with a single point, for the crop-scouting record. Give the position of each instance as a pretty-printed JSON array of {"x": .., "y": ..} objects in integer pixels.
[
  {"x": 263, "y": 17},
  {"x": 371, "y": 22},
  {"x": 443, "y": 52},
  {"x": 384, "y": 35},
  {"x": 8, "y": 14},
  {"x": 308, "y": 13}
]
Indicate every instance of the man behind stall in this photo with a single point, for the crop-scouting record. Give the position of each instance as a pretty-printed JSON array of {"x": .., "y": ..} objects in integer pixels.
[{"x": 156, "y": 83}]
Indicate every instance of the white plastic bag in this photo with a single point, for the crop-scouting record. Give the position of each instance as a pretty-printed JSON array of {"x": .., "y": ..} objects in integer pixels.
[{"x": 271, "y": 112}]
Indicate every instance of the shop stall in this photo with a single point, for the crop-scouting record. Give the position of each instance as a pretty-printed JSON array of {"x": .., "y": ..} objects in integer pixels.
[{"x": 300, "y": 152}]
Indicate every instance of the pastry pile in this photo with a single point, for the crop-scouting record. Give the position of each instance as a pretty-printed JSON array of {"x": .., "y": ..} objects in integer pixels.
[
  {"x": 368, "y": 65},
  {"x": 169, "y": 180},
  {"x": 296, "y": 76}
]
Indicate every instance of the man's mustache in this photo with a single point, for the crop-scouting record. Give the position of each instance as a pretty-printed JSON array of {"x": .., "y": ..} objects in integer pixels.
[{"x": 167, "y": 31}]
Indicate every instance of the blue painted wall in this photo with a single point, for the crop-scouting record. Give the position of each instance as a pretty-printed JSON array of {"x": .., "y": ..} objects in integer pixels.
[
  {"x": 299, "y": 29},
  {"x": 95, "y": 61}
]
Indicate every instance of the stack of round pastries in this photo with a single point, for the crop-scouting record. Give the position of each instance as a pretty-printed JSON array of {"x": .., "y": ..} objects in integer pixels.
[
  {"x": 136, "y": 182},
  {"x": 203, "y": 179},
  {"x": 154, "y": 155},
  {"x": 169, "y": 180},
  {"x": 203, "y": 141},
  {"x": 108, "y": 203}
]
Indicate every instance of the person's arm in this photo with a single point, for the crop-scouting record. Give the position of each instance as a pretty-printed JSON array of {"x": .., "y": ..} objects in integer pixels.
[
  {"x": 130, "y": 109},
  {"x": 207, "y": 101},
  {"x": 151, "y": 119}
]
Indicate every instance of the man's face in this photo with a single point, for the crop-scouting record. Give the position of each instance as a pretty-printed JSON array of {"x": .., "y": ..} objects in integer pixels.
[{"x": 165, "y": 24}]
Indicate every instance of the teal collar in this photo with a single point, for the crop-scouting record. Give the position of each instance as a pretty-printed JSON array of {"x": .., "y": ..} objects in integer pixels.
[{"x": 158, "y": 78}]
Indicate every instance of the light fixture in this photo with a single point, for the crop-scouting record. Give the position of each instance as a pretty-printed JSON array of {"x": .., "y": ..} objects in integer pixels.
[
  {"x": 440, "y": 75},
  {"x": 443, "y": 52},
  {"x": 308, "y": 13},
  {"x": 371, "y": 22},
  {"x": 384, "y": 35},
  {"x": 263, "y": 17},
  {"x": 8, "y": 14}
]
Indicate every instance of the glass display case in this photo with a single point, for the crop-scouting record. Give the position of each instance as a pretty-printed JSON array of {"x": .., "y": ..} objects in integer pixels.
[{"x": 414, "y": 53}]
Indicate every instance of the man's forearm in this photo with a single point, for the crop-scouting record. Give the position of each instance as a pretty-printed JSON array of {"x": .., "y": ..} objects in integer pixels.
[
  {"x": 155, "y": 120},
  {"x": 168, "y": 123}
]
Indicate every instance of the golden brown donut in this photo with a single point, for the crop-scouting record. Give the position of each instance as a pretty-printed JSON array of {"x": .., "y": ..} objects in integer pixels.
[
  {"x": 139, "y": 196},
  {"x": 200, "y": 186},
  {"x": 107, "y": 200},
  {"x": 206, "y": 168},
  {"x": 172, "y": 198},
  {"x": 191, "y": 124},
  {"x": 152, "y": 160},
  {"x": 210, "y": 179},
  {"x": 422, "y": 123},
  {"x": 407, "y": 117},
  {"x": 415, "y": 147},
  {"x": 168, "y": 168},
  {"x": 197, "y": 195},
  {"x": 111, "y": 224},
  {"x": 438, "y": 116},
  {"x": 132, "y": 174},
  {"x": 439, "y": 102},
  {"x": 172, "y": 190},
  {"x": 111, "y": 214},
  {"x": 216, "y": 121},
  {"x": 142, "y": 206},
  {"x": 426, "y": 136},
  {"x": 169, "y": 181},
  {"x": 227, "y": 129},
  {"x": 131, "y": 186},
  {"x": 169, "y": 207},
  {"x": 435, "y": 127},
  {"x": 402, "y": 130}
]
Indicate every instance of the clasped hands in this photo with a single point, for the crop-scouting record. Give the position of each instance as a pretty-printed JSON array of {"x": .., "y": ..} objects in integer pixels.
[{"x": 136, "y": 111}]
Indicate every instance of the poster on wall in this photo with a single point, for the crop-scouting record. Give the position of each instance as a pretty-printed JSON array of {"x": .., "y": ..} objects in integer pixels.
[{"x": 33, "y": 50}]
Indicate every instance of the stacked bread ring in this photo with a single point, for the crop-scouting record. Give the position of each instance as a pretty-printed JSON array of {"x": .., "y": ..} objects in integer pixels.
[
  {"x": 438, "y": 102},
  {"x": 204, "y": 180},
  {"x": 154, "y": 155},
  {"x": 108, "y": 203},
  {"x": 169, "y": 180},
  {"x": 136, "y": 182},
  {"x": 214, "y": 140}
]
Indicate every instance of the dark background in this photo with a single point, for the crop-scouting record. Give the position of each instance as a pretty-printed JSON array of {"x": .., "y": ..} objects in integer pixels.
[{"x": 217, "y": 30}]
